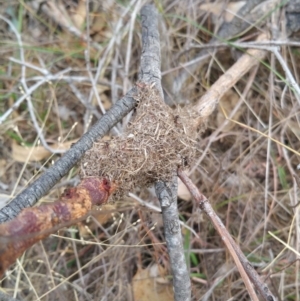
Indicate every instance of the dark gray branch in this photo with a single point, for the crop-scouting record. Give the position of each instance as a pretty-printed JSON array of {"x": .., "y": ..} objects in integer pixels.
[
  {"x": 166, "y": 192},
  {"x": 167, "y": 195},
  {"x": 29, "y": 196},
  {"x": 150, "y": 57},
  {"x": 292, "y": 16},
  {"x": 239, "y": 23}
]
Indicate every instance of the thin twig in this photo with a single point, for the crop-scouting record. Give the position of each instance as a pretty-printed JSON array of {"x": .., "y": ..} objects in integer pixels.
[
  {"x": 21, "y": 99},
  {"x": 240, "y": 23},
  {"x": 26, "y": 89},
  {"x": 241, "y": 261},
  {"x": 129, "y": 43},
  {"x": 271, "y": 46},
  {"x": 209, "y": 100},
  {"x": 257, "y": 45},
  {"x": 117, "y": 32},
  {"x": 57, "y": 12},
  {"x": 215, "y": 135},
  {"x": 287, "y": 71}
]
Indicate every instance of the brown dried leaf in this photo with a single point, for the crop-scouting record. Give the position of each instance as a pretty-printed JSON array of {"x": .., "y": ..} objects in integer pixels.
[
  {"x": 79, "y": 15},
  {"x": 229, "y": 10},
  {"x": 106, "y": 102},
  {"x": 100, "y": 30},
  {"x": 24, "y": 154},
  {"x": 150, "y": 284},
  {"x": 2, "y": 167}
]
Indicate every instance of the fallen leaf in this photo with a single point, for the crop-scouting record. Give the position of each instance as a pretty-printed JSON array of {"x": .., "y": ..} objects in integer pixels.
[
  {"x": 79, "y": 15},
  {"x": 2, "y": 167},
  {"x": 229, "y": 10},
  {"x": 100, "y": 30},
  {"x": 151, "y": 284},
  {"x": 21, "y": 153},
  {"x": 105, "y": 100}
]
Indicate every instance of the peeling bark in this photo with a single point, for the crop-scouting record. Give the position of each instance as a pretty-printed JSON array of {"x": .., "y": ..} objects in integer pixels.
[{"x": 34, "y": 224}]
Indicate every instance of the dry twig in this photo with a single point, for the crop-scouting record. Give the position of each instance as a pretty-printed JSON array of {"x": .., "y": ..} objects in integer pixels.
[
  {"x": 244, "y": 19},
  {"x": 4, "y": 297},
  {"x": 243, "y": 265},
  {"x": 209, "y": 100}
]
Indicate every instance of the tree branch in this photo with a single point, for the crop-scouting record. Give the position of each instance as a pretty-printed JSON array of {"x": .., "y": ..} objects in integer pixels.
[
  {"x": 150, "y": 57},
  {"x": 30, "y": 195},
  {"x": 37, "y": 223},
  {"x": 167, "y": 195},
  {"x": 240, "y": 259},
  {"x": 166, "y": 192},
  {"x": 243, "y": 20},
  {"x": 207, "y": 103}
]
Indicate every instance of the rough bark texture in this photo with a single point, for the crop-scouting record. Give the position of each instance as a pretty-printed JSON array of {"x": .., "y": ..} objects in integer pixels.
[
  {"x": 30, "y": 195},
  {"x": 34, "y": 224},
  {"x": 150, "y": 57},
  {"x": 167, "y": 195},
  {"x": 292, "y": 16},
  {"x": 166, "y": 192}
]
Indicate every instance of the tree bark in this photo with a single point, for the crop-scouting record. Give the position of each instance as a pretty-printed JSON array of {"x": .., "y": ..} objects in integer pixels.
[
  {"x": 30, "y": 195},
  {"x": 166, "y": 192}
]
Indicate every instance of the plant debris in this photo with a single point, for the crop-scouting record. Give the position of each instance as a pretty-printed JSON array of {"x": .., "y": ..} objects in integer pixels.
[
  {"x": 36, "y": 223},
  {"x": 155, "y": 143}
]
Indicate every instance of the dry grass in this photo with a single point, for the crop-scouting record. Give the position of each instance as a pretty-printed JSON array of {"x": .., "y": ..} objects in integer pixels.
[
  {"x": 247, "y": 176},
  {"x": 156, "y": 140}
]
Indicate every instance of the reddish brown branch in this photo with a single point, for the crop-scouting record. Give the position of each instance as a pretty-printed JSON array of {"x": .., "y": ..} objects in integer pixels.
[
  {"x": 243, "y": 265},
  {"x": 34, "y": 224}
]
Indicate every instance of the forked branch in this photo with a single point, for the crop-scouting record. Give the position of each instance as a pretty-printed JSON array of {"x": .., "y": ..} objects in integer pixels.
[{"x": 165, "y": 191}]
